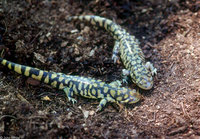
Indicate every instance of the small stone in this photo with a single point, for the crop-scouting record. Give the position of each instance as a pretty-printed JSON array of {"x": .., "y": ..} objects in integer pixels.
[
  {"x": 74, "y": 31},
  {"x": 63, "y": 44}
]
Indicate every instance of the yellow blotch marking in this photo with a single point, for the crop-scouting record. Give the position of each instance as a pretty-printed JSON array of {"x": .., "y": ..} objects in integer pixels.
[
  {"x": 99, "y": 93},
  {"x": 87, "y": 18},
  {"x": 53, "y": 76},
  {"x": 112, "y": 28},
  {"x": 129, "y": 59},
  {"x": 54, "y": 83},
  {"x": 75, "y": 79},
  {"x": 93, "y": 91},
  {"x": 107, "y": 23},
  {"x": 66, "y": 81},
  {"x": 81, "y": 93},
  {"x": 27, "y": 71},
  {"x": 100, "y": 23},
  {"x": 108, "y": 95},
  {"x": 128, "y": 63},
  {"x": 85, "y": 91},
  {"x": 4, "y": 62},
  {"x": 18, "y": 69},
  {"x": 115, "y": 32},
  {"x": 139, "y": 69},
  {"x": 112, "y": 93},
  {"x": 46, "y": 80},
  {"x": 98, "y": 18},
  {"x": 39, "y": 77},
  {"x": 118, "y": 92},
  {"x": 70, "y": 84},
  {"x": 80, "y": 17},
  {"x": 9, "y": 65},
  {"x": 92, "y": 21},
  {"x": 126, "y": 100},
  {"x": 129, "y": 47},
  {"x": 74, "y": 88},
  {"x": 95, "y": 84},
  {"x": 119, "y": 98},
  {"x": 60, "y": 79},
  {"x": 85, "y": 85},
  {"x": 80, "y": 86},
  {"x": 89, "y": 93},
  {"x": 101, "y": 84},
  {"x": 125, "y": 96},
  {"x": 61, "y": 86},
  {"x": 105, "y": 89},
  {"x": 90, "y": 86},
  {"x": 92, "y": 80}
]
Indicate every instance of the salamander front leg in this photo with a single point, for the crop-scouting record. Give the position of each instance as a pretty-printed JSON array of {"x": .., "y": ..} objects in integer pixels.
[
  {"x": 125, "y": 74},
  {"x": 151, "y": 68},
  {"x": 103, "y": 102},
  {"x": 115, "y": 55},
  {"x": 116, "y": 83},
  {"x": 69, "y": 93}
]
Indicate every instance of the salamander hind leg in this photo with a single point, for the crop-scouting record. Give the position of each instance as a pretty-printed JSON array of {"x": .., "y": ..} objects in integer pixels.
[
  {"x": 151, "y": 68},
  {"x": 125, "y": 74},
  {"x": 103, "y": 102},
  {"x": 69, "y": 93},
  {"x": 116, "y": 83},
  {"x": 115, "y": 55}
]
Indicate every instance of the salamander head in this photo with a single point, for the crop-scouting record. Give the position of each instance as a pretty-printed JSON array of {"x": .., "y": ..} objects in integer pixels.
[
  {"x": 129, "y": 96},
  {"x": 144, "y": 81}
]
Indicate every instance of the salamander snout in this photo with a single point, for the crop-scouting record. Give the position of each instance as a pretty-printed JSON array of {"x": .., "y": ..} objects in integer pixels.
[{"x": 146, "y": 83}]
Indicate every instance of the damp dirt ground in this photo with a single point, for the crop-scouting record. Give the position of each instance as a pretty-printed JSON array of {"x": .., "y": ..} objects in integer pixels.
[{"x": 35, "y": 33}]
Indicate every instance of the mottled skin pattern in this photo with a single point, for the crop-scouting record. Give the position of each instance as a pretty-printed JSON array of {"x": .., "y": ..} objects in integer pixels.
[
  {"x": 141, "y": 72},
  {"x": 86, "y": 87}
]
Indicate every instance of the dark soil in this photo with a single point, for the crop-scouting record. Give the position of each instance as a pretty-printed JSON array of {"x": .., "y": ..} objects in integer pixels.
[{"x": 35, "y": 33}]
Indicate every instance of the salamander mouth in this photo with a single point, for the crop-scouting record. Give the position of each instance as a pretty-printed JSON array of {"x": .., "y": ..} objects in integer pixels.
[
  {"x": 145, "y": 84},
  {"x": 135, "y": 98}
]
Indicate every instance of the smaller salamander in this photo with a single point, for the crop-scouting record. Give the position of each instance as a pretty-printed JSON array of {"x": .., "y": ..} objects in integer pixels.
[
  {"x": 86, "y": 87},
  {"x": 127, "y": 46}
]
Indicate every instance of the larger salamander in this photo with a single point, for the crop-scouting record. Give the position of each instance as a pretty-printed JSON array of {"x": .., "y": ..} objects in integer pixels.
[{"x": 86, "y": 87}]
